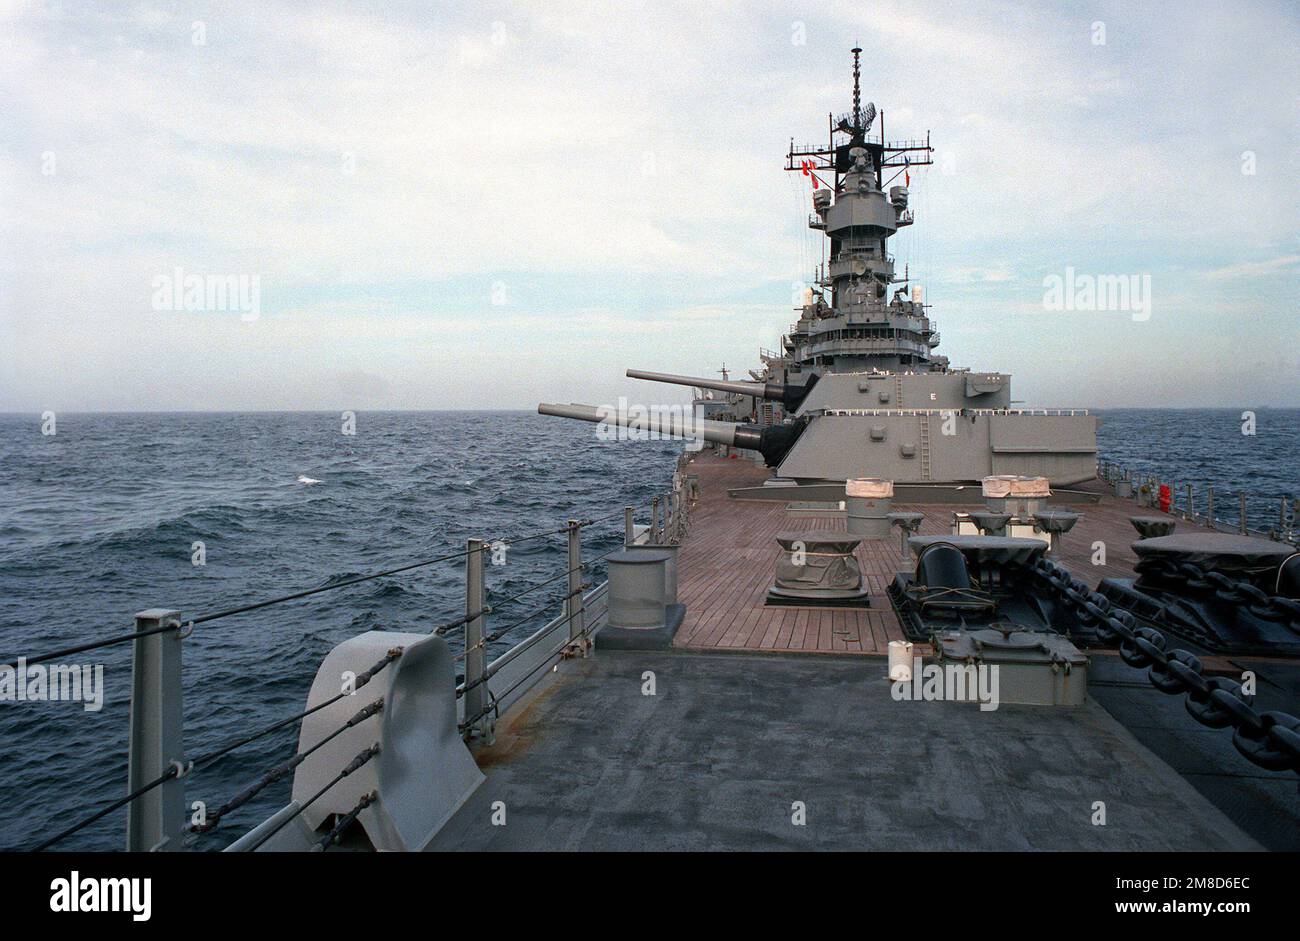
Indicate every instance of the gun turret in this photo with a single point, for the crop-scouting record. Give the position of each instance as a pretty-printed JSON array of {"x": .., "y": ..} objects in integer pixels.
[
  {"x": 788, "y": 395},
  {"x": 772, "y": 442}
]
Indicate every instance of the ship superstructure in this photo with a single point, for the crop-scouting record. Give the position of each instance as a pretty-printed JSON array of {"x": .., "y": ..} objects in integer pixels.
[
  {"x": 856, "y": 389},
  {"x": 855, "y": 318}
]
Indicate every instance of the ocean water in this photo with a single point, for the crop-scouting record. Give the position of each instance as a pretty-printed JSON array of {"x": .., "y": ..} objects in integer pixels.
[
  {"x": 98, "y": 521},
  {"x": 1207, "y": 448}
]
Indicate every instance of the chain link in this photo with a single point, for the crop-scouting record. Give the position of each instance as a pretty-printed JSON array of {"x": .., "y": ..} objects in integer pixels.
[{"x": 1270, "y": 740}]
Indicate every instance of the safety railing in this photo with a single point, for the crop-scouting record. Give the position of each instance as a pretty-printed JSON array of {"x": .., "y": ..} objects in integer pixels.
[
  {"x": 156, "y": 816},
  {"x": 1215, "y": 508}
]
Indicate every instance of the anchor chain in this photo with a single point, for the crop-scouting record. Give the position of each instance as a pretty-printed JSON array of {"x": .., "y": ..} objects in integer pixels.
[
  {"x": 1203, "y": 582},
  {"x": 1270, "y": 740}
]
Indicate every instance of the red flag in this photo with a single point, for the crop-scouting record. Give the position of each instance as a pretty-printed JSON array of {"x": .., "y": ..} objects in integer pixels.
[{"x": 807, "y": 171}]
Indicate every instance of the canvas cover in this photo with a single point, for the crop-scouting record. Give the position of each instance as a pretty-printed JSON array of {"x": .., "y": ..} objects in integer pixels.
[
  {"x": 1009, "y": 485},
  {"x": 872, "y": 488},
  {"x": 818, "y": 561}
]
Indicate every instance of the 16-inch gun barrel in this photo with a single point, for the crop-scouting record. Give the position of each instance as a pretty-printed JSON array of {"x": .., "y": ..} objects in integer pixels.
[
  {"x": 671, "y": 425},
  {"x": 772, "y": 442},
  {"x": 788, "y": 395}
]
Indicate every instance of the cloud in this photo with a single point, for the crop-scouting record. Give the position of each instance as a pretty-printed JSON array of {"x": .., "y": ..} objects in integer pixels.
[
  {"x": 618, "y": 167},
  {"x": 1283, "y": 265},
  {"x": 970, "y": 275}
]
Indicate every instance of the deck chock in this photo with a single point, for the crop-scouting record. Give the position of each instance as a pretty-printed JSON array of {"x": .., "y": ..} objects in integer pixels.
[
  {"x": 423, "y": 772},
  {"x": 643, "y": 638}
]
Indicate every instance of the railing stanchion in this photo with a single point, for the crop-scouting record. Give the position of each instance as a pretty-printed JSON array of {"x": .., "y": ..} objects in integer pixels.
[
  {"x": 629, "y": 527},
  {"x": 573, "y": 609},
  {"x": 1243, "y": 513},
  {"x": 1209, "y": 507},
  {"x": 476, "y": 696},
  {"x": 680, "y": 503},
  {"x": 654, "y": 521},
  {"x": 154, "y": 820}
]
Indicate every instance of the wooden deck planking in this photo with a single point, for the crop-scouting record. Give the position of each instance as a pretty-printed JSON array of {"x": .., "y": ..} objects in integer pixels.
[{"x": 728, "y": 558}]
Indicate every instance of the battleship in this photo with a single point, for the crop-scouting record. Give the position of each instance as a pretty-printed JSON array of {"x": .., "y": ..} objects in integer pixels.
[
  {"x": 857, "y": 390},
  {"x": 879, "y": 605}
]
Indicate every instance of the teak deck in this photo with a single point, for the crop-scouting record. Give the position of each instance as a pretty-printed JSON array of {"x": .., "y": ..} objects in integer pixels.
[{"x": 728, "y": 558}]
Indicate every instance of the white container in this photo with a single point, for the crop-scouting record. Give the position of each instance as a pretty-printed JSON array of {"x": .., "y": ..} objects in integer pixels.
[{"x": 900, "y": 661}]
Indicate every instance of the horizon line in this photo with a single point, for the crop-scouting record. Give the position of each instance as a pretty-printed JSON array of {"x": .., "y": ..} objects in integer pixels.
[{"x": 419, "y": 411}]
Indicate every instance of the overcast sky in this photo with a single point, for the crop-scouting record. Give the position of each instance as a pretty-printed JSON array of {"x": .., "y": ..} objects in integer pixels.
[{"x": 486, "y": 205}]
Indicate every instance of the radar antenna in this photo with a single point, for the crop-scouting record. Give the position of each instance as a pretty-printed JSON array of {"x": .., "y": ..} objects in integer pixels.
[
  {"x": 857, "y": 88},
  {"x": 836, "y": 158},
  {"x": 858, "y": 121}
]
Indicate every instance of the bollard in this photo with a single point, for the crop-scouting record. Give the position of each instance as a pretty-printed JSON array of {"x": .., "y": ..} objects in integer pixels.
[
  {"x": 154, "y": 821},
  {"x": 637, "y": 588},
  {"x": 669, "y": 552}
]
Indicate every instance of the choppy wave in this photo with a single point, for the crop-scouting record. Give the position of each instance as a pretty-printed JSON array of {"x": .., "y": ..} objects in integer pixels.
[{"x": 91, "y": 535}]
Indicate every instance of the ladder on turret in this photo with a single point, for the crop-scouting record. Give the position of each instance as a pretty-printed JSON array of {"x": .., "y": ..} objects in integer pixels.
[{"x": 925, "y": 447}]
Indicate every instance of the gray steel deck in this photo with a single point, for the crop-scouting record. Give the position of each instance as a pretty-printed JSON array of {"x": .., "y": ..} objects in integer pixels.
[
  {"x": 715, "y": 760},
  {"x": 1266, "y": 804}
]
